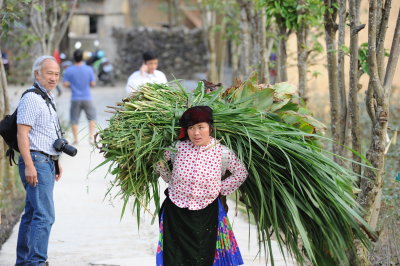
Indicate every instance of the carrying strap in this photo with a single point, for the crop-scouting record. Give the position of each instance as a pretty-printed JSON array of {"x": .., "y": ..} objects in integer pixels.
[{"x": 224, "y": 159}]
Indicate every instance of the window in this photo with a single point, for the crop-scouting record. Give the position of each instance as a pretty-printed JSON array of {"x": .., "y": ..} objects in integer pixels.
[{"x": 93, "y": 24}]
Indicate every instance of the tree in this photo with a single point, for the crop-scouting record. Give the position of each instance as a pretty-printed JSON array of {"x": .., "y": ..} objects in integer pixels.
[
  {"x": 173, "y": 13},
  {"x": 308, "y": 15},
  {"x": 133, "y": 12},
  {"x": 253, "y": 48},
  {"x": 11, "y": 11},
  {"x": 378, "y": 99},
  {"x": 50, "y": 20},
  {"x": 214, "y": 27},
  {"x": 284, "y": 14},
  {"x": 331, "y": 27},
  {"x": 354, "y": 108},
  {"x": 343, "y": 131}
]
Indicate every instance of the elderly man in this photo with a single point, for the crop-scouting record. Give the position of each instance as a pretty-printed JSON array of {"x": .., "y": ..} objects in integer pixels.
[
  {"x": 38, "y": 129},
  {"x": 148, "y": 73}
]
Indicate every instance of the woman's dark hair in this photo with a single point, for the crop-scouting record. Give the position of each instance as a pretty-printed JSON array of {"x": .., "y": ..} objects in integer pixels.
[
  {"x": 149, "y": 55},
  {"x": 78, "y": 55}
]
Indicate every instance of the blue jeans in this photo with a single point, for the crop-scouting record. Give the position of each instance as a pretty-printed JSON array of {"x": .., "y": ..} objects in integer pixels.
[{"x": 38, "y": 217}]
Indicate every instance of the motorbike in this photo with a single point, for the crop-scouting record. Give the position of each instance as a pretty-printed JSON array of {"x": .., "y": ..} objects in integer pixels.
[{"x": 103, "y": 68}]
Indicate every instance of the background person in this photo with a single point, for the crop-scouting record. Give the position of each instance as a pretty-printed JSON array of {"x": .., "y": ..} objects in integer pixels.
[
  {"x": 38, "y": 128},
  {"x": 147, "y": 73},
  {"x": 194, "y": 227},
  {"x": 81, "y": 78}
]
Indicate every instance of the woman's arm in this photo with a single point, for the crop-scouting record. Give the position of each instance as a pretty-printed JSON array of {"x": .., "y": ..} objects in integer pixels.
[
  {"x": 162, "y": 169},
  {"x": 238, "y": 175}
]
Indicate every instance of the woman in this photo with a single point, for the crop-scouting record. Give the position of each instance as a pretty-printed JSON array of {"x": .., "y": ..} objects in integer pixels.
[{"x": 194, "y": 228}]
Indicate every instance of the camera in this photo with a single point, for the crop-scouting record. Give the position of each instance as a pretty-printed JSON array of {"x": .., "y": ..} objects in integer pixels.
[{"x": 61, "y": 145}]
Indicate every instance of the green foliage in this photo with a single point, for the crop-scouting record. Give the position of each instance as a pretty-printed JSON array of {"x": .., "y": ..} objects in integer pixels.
[
  {"x": 345, "y": 49},
  {"x": 12, "y": 12},
  {"x": 229, "y": 10},
  {"x": 294, "y": 188},
  {"x": 363, "y": 57},
  {"x": 280, "y": 99},
  {"x": 287, "y": 12}
]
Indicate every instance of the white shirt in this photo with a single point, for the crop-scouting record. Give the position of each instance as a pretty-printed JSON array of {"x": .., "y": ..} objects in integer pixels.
[{"x": 137, "y": 79}]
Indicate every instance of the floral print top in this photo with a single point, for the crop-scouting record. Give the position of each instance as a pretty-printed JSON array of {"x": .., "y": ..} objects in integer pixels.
[{"x": 195, "y": 181}]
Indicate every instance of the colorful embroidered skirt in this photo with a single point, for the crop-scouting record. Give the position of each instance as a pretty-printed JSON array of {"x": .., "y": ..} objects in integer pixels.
[{"x": 193, "y": 238}]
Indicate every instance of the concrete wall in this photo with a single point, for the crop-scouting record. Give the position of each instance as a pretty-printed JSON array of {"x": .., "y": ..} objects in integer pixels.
[{"x": 182, "y": 53}]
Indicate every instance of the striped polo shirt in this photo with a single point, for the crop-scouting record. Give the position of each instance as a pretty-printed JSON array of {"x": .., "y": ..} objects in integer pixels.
[{"x": 33, "y": 111}]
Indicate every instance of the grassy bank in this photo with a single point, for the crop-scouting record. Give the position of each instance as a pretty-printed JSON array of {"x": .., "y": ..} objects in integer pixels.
[{"x": 11, "y": 204}]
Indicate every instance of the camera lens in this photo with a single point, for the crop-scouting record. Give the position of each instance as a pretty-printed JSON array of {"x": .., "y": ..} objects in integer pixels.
[
  {"x": 61, "y": 145},
  {"x": 70, "y": 150}
]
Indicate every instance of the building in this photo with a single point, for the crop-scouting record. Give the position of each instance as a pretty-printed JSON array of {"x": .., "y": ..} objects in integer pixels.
[{"x": 95, "y": 19}]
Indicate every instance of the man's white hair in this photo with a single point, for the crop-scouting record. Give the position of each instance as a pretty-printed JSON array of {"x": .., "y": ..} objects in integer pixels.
[{"x": 37, "y": 65}]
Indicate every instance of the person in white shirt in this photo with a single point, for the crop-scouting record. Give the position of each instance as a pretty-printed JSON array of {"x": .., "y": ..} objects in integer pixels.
[{"x": 147, "y": 73}]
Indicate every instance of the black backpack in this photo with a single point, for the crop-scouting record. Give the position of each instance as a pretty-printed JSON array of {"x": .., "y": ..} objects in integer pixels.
[{"x": 8, "y": 126}]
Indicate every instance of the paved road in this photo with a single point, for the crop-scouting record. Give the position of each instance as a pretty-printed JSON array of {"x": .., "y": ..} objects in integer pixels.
[{"x": 88, "y": 229}]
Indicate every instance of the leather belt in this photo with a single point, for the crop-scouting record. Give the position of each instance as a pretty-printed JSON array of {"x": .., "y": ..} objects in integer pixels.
[{"x": 53, "y": 157}]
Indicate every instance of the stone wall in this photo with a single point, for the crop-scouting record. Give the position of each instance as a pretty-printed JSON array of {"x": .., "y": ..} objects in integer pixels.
[{"x": 181, "y": 52}]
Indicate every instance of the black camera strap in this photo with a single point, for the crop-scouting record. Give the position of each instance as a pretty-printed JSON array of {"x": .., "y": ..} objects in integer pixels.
[{"x": 48, "y": 102}]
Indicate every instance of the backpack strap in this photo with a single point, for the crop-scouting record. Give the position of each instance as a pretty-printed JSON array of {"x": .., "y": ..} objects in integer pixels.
[
  {"x": 44, "y": 95},
  {"x": 10, "y": 153}
]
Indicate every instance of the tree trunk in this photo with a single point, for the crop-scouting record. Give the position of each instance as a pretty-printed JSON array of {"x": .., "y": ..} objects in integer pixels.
[
  {"x": 384, "y": 17},
  {"x": 212, "y": 70},
  {"x": 263, "y": 71},
  {"x": 330, "y": 32},
  {"x": 302, "y": 34},
  {"x": 253, "y": 40},
  {"x": 344, "y": 135},
  {"x": 133, "y": 12},
  {"x": 6, "y": 172},
  {"x": 246, "y": 47},
  {"x": 270, "y": 45},
  {"x": 221, "y": 47},
  {"x": 235, "y": 46},
  {"x": 2, "y": 113},
  {"x": 354, "y": 7},
  {"x": 173, "y": 13},
  {"x": 216, "y": 42},
  {"x": 281, "y": 55}
]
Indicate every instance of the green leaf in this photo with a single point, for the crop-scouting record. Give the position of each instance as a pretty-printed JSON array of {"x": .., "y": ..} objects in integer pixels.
[
  {"x": 38, "y": 8},
  {"x": 264, "y": 99}
]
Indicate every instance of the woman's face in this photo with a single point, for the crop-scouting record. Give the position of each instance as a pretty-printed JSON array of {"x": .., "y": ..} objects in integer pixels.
[{"x": 199, "y": 134}]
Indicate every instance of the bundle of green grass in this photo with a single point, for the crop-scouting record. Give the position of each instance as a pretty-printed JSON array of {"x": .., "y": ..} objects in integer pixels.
[{"x": 294, "y": 191}]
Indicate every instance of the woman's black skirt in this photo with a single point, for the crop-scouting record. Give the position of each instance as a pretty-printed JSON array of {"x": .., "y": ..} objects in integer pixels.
[
  {"x": 196, "y": 238},
  {"x": 189, "y": 237}
]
